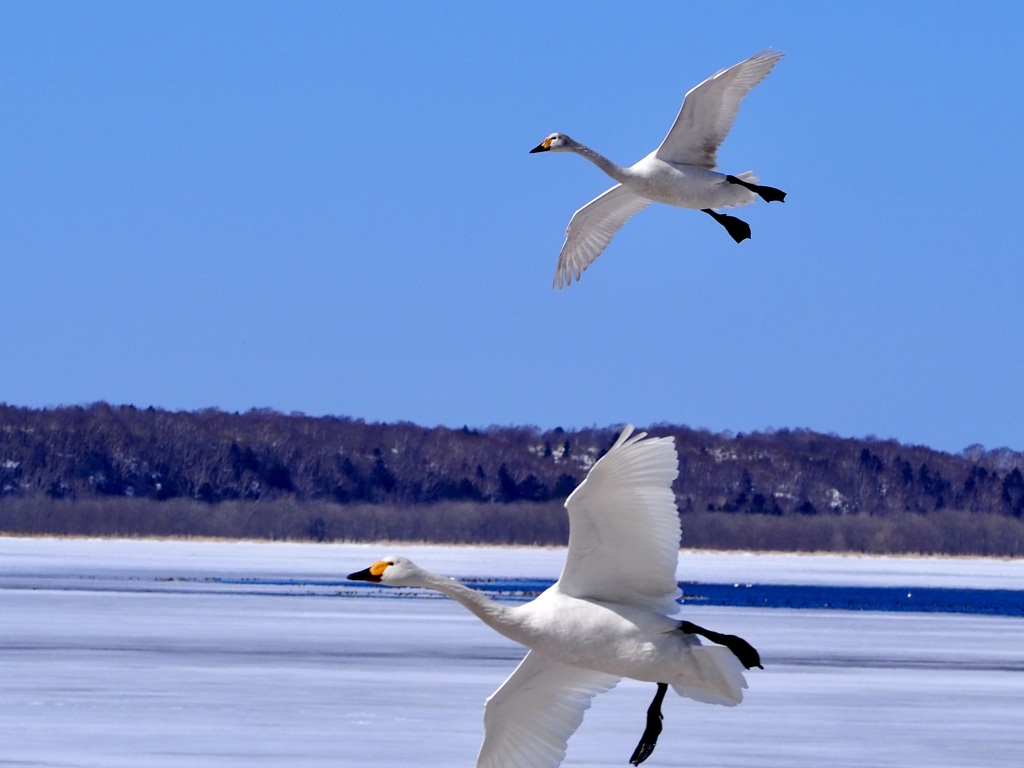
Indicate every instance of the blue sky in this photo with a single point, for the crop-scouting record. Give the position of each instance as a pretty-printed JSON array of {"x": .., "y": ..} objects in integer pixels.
[{"x": 330, "y": 208}]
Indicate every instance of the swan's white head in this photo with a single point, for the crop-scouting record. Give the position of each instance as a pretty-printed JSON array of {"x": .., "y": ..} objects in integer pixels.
[
  {"x": 393, "y": 570},
  {"x": 556, "y": 142}
]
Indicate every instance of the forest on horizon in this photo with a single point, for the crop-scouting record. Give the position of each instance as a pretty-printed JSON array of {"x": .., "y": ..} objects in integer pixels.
[{"x": 125, "y": 471}]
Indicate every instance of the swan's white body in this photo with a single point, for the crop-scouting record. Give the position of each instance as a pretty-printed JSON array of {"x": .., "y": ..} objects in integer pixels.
[
  {"x": 679, "y": 172},
  {"x": 608, "y": 616}
]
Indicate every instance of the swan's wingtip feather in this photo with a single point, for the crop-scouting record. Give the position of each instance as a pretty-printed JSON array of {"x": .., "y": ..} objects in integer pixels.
[
  {"x": 769, "y": 54},
  {"x": 624, "y": 435}
]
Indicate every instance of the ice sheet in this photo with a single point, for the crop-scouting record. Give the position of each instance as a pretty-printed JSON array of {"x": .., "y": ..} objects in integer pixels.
[{"x": 94, "y": 675}]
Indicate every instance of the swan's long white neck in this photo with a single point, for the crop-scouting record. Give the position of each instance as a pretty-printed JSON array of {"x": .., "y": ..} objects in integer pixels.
[
  {"x": 617, "y": 172},
  {"x": 494, "y": 615}
]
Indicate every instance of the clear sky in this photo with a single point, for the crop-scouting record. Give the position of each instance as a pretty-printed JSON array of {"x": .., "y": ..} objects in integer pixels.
[{"x": 330, "y": 208}]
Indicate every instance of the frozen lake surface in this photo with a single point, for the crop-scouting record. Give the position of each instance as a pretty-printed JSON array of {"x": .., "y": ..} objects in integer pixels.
[{"x": 145, "y": 653}]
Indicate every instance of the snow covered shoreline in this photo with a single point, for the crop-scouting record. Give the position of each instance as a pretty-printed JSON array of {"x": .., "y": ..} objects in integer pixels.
[{"x": 80, "y": 557}]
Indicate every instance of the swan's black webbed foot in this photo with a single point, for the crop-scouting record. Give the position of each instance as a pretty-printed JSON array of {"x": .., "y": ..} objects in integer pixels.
[
  {"x": 768, "y": 194},
  {"x": 737, "y": 228},
  {"x": 741, "y": 649},
  {"x": 652, "y": 731}
]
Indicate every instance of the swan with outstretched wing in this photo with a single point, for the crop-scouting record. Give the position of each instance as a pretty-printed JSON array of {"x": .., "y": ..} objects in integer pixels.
[
  {"x": 679, "y": 172},
  {"x": 611, "y": 614}
]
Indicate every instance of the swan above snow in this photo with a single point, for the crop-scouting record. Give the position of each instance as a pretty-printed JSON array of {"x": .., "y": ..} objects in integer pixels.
[{"x": 611, "y": 614}]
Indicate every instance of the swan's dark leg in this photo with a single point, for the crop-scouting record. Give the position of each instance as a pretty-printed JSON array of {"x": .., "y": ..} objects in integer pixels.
[
  {"x": 653, "y": 730},
  {"x": 742, "y": 650},
  {"x": 768, "y": 194},
  {"x": 738, "y": 228}
]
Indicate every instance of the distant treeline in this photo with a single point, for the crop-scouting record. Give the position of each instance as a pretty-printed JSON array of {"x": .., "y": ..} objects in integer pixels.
[{"x": 105, "y": 470}]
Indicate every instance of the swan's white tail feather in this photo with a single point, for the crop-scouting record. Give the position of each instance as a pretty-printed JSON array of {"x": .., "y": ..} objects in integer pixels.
[
  {"x": 716, "y": 674},
  {"x": 741, "y": 195}
]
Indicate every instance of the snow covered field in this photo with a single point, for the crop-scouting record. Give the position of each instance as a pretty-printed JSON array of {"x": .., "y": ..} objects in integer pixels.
[{"x": 144, "y": 654}]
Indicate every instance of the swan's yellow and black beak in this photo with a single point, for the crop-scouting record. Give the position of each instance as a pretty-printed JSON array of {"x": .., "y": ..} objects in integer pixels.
[
  {"x": 544, "y": 146},
  {"x": 371, "y": 574}
]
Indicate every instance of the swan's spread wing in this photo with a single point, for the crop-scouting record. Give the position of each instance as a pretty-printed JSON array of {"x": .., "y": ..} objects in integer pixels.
[
  {"x": 529, "y": 719},
  {"x": 624, "y": 527},
  {"x": 709, "y": 109},
  {"x": 591, "y": 229}
]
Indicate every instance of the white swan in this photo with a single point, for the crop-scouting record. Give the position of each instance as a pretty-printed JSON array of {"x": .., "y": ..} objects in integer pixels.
[
  {"x": 679, "y": 172},
  {"x": 610, "y": 614}
]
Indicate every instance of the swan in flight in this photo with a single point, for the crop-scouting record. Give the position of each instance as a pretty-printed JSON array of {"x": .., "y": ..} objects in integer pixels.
[
  {"x": 679, "y": 172},
  {"x": 611, "y": 614}
]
